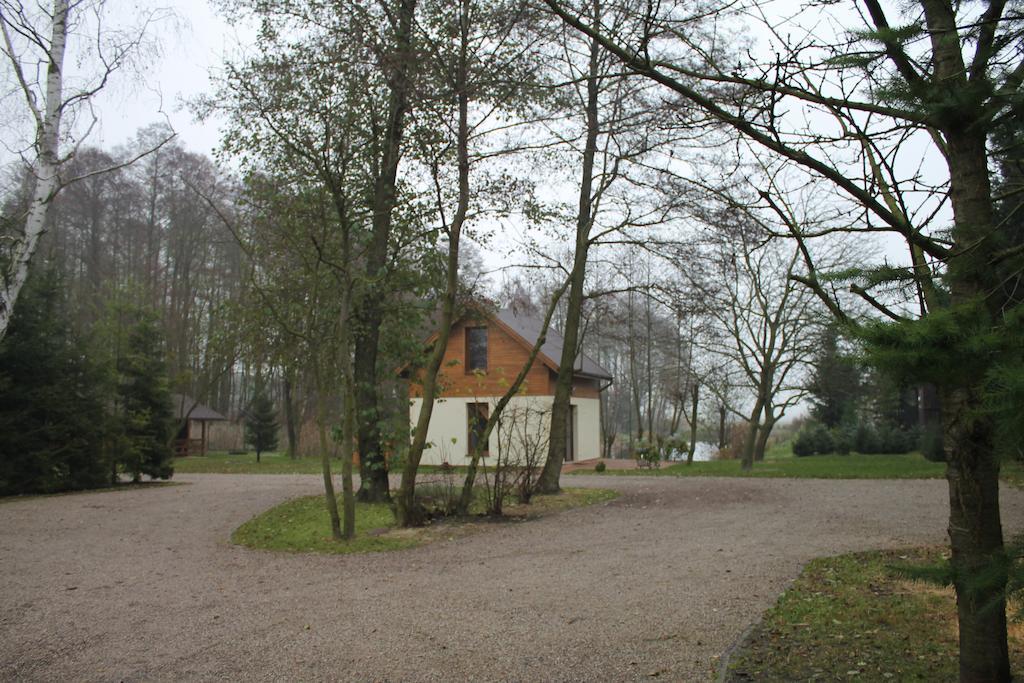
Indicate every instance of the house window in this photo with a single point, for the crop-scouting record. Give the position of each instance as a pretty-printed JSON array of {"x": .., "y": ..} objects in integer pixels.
[
  {"x": 476, "y": 349},
  {"x": 476, "y": 421}
]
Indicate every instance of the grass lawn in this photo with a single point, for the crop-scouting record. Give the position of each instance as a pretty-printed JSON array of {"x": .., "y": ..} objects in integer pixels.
[
  {"x": 853, "y": 466},
  {"x": 303, "y": 525},
  {"x": 270, "y": 463},
  {"x": 853, "y": 617}
]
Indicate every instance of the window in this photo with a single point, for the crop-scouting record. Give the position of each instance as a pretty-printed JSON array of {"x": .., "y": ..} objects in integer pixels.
[
  {"x": 476, "y": 349},
  {"x": 476, "y": 421}
]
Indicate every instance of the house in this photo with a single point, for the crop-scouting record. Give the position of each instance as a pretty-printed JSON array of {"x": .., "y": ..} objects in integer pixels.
[
  {"x": 486, "y": 351},
  {"x": 192, "y": 416}
]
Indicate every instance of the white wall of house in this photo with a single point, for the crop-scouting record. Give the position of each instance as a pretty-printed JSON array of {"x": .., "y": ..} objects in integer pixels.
[{"x": 526, "y": 421}]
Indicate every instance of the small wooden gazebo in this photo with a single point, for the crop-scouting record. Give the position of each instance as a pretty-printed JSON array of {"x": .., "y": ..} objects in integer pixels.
[{"x": 192, "y": 417}]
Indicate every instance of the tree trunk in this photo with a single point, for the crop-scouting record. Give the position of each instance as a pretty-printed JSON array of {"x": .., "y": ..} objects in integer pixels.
[
  {"x": 330, "y": 500},
  {"x": 560, "y": 409},
  {"x": 373, "y": 473},
  {"x": 721, "y": 427},
  {"x": 694, "y": 398},
  {"x": 291, "y": 428},
  {"x": 407, "y": 510},
  {"x": 972, "y": 469},
  {"x": 976, "y": 540},
  {"x": 762, "y": 438},
  {"x": 46, "y": 167},
  {"x": 750, "y": 442},
  {"x": 348, "y": 429}
]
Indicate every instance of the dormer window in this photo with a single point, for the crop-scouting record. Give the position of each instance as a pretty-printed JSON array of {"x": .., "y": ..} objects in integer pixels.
[{"x": 476, "y": 349}]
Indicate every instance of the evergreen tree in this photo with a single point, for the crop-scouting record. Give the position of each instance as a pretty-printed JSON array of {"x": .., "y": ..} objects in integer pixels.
[
  {"x": 52, "y": 415},
  {"x": 836, "y": 383},
  {"x": 261, "y": 423},
  {"x": 144, "y": 401}
]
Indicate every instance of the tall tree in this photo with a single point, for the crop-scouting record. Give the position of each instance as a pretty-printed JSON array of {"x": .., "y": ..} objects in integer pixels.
[
  {"x": 396, "y": 59},
  {"x": 143, "y": 396},
  {"x": 619, "y": 130},
  {"x": 951, "y": 72}
]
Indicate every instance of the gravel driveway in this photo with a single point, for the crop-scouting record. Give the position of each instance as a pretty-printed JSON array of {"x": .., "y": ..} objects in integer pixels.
[{"x": 144, "y": 585}]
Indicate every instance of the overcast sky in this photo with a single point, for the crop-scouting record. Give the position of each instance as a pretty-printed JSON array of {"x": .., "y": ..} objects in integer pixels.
[{"x": 189, "y": 51}]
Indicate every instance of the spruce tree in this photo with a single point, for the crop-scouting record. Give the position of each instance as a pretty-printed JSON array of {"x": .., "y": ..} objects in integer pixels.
[
  {"x": 52, "y": 415},
  {"x": 144, "y": 401},
  {"x": 835, "y": 386},
  {"x": 261, "y": 423}
]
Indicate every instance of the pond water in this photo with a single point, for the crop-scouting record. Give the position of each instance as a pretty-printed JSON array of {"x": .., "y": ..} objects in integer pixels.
[{"x": 705, "y": 451}]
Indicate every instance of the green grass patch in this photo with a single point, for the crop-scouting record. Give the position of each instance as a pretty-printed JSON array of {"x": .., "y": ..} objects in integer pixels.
[
  {"x": 854, "y": 617},
  {"x": 270, "y": 463},
  {"x": 853, "y": 466},
  {"x": 568, "y": 498},
  {"x": 303, "y": 525}
]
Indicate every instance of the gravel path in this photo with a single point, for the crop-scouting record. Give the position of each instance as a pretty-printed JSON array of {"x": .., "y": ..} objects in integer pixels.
[{"x": 144, "y": 585}]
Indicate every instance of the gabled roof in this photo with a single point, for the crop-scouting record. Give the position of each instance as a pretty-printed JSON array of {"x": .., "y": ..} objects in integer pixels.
[
  {"x": 186, "y": 405},
  {"x": 528, "y": 327}
]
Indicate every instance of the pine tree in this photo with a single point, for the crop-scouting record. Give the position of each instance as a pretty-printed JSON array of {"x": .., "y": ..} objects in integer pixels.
[
  {"x": 835, "y": 386},
  {"x": 144, "y": 401},
  {"x": 52, "y": 416},
  {"x": 261, "y": 423}
]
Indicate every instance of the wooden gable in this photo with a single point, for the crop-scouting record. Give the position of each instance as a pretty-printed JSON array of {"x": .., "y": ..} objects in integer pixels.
[{"x": 506, "y": 355}]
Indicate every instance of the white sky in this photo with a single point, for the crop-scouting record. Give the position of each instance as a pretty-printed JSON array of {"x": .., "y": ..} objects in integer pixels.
[{"x": 190, "y": 50}]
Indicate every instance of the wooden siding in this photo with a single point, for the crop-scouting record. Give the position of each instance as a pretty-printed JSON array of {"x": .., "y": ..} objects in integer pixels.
[
  {"x": 584, "y": 387},
  {"x": 505, "y": 357}
]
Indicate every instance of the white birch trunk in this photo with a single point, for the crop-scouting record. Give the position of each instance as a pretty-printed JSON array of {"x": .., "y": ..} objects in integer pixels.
[{"x": 46, "y": 166}]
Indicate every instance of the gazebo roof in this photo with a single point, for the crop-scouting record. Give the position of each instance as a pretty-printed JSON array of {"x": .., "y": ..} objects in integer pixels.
[{"x": 186, "y": 406}]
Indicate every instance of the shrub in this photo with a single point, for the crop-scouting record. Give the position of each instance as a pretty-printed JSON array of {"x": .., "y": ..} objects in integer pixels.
[
  {"x": 648, "y": 454},
  {"x": 865, "y": 440},
  {"x": 600, "y": 467},
  {"x": 931, "y": 444},
  {"x": 842, "y": 440},
  {"x": 813, "y": 439},
  {"x": 674, "y": 447}
]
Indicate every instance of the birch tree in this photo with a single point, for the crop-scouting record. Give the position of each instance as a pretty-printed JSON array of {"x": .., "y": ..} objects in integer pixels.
[{"x": 35, "y": 47}]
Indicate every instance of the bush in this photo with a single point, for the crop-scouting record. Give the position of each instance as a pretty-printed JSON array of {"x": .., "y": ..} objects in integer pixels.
[
  {"x": 813, "y": 439},
  {"x": 674, "y": 447},
  {"x": 884, "y": 438},
  {"x": 842, "y": 441},
  {"x": 600, "y": 467},
  {"x": 931, "y": 444},
  {"x": 648, "y": 454},
  {"x": 865, "y": 440}
]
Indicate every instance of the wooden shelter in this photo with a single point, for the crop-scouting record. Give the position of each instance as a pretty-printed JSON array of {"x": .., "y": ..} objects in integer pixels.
[{"x": 192, "y": 417}]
